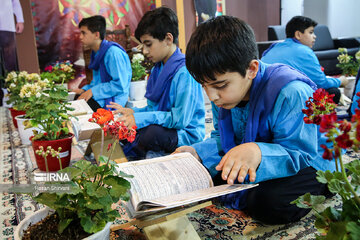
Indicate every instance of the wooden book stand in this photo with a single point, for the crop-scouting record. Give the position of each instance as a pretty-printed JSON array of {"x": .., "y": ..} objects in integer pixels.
[
  {"x": 172, "y": 225},
  {"x": 95, "y": 146}
]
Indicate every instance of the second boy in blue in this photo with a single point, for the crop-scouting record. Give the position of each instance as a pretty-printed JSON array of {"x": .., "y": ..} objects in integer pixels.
[
  {"x": 259, "y": 135},
  {"x": 296, "y": 52},
  {"x": 175, "y": 114}
]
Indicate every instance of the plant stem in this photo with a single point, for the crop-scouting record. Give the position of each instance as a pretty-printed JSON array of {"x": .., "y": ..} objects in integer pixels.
[
  {"x": 46, "y": 164},
  {"x": 102, "y": 142},
  {"x": 60, "y": 163},
  {"x": 107, "y": 163},
  {"x": 357, "y": 199}
]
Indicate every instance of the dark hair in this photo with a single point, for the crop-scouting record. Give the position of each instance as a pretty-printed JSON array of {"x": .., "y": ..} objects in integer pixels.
[
  {"x": 95, "y": 23},
  {"x": 219, "y": 45},
  {"x": 157, "y": 23},
  {"x": 298, "y": 23}
]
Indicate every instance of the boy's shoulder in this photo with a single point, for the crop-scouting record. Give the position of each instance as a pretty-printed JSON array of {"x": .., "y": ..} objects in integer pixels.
[{"x": 295, "y": 89}]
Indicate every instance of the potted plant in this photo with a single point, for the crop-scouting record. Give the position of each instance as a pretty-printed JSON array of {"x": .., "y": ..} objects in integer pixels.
[
  {"x": 335, "y": 223},
  {"x": 138, "y": 80},
  {"x": 49, "y": 113},
  {"x": 28, "y": 93},
  {"x": 349, "y": 66},
  {"x": 59, "y": 73},
  {"x": 87, "y": 207},
  {"x": 14, "y": 81}
]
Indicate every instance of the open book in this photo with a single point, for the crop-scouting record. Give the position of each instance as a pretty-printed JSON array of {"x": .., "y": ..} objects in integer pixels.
[{"x": 171, "y": 181}]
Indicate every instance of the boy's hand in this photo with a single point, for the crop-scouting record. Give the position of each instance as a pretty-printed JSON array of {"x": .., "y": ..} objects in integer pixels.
[
  {"x": 120, "y": 109},
  {"x": 77, "y": 91},
  {"x": 240, "y": 161},
  {"x": 188, "y": 149},
  {"x": 129, "y": 120},
  {"x": 86, "y": 95}
]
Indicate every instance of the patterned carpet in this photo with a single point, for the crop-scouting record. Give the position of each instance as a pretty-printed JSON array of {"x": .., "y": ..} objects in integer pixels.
[{"x": 213, "y": 222}]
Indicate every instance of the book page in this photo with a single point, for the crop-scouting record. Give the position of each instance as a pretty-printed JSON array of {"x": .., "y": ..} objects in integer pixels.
[
  {"x": 195, "y": 196},
  {"x": 169, "y": 203},
  {"x": 165, "y": 176},
  {"x": 80, "y": 107}
]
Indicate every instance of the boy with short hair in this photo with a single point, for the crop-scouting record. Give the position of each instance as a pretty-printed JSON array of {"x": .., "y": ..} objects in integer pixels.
[
  {"x": 110, "y": 64},
  {"x": 296, "y": 52},
  {"x": 175, "y": 114},
  {"x": 259, "y": 135}
]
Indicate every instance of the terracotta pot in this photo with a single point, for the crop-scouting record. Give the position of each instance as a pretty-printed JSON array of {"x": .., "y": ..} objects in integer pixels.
[
  {"x": 15, "y": 113},
  {"x": 53, "y": 162},
  {"x": 41, "y": 214}
]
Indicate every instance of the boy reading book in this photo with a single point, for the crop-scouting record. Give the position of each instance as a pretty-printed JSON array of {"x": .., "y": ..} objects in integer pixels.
[
  {"x": 296, "y": 52},
  {"x": 175, "y": 113},
  {"x": 259, "y": 135}
]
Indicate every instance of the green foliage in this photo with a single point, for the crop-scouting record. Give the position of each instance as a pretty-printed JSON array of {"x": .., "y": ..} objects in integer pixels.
[
  {"x": 332, "y": 223},
  {"x": 93, "y": 190},
  {"x": 347, "y": 63},
  {"x": 49, "y": 112},
  {"x": 138, "y": 70}
]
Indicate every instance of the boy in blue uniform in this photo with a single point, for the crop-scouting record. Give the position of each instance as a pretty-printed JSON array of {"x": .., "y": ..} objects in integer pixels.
[
  {"x": 175, "y": 113},
  {"x": 110, "y": 64},
  {"x": 296, "y": 52},
  {"x": 259, "y": 135}
]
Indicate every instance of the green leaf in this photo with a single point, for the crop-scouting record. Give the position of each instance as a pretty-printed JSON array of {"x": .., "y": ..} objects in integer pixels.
[
  {"x": 324, "y": 177},
  {"x": 48, "y": 199},
  {"x": 337, "y": 230},
  {"x": 308, "y": 201},
  {"x": 119, "y": 186},
  {"x": 64, "y": 223},
  {"x": 82, "y": 164},
  {"x": 88, "y": 225},
  {"x": 354, "y": 229}
]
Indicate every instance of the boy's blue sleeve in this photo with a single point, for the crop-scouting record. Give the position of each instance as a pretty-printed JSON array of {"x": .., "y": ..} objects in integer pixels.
[
  {"x": 311, "y": 67},
  {"x": 184, "y": 90},
  {"x": 118, "y": 66},
  {"x": 209, "y": 149},
  {"x": 295, "y": 143}
]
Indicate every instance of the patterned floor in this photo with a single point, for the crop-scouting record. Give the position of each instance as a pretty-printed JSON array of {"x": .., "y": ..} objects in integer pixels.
[{"x": 214, "y": 222}]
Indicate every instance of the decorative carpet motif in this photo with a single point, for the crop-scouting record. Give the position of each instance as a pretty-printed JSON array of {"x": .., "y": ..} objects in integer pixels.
[{"x": 213, "y": 222}]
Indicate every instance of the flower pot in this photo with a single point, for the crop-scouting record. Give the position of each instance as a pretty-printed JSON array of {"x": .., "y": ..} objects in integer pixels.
[
  {"x": 349, "y": 88},
  {"x": 53, "y": 162},
  {"x": 25, "y": 134},
  {"x": 15, "y": 113},
  {"x": 137, "y": 90},
  {"x": 41, "y": 214}
]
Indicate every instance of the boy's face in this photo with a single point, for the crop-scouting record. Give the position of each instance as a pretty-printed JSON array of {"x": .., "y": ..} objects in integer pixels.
[
  {"x": 156, "y": 50},
  {"x": 230, "y": 88},
  {"x": 88, "y": 38},
  {"x": 307, "y": 38}
]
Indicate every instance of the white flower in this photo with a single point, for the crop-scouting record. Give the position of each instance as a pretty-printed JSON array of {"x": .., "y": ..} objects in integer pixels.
[
  {"x": 138, "y": 57},
  {"x": 38, "y": 95},
  {"x": 357, "y": 55},
  {"x": 12, "y": 85}
]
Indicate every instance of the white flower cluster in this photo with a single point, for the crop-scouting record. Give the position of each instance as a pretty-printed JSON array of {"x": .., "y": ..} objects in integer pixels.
[
  {"x": 29, "y": 90},
  {"x": 344, "y": 58},
  {"x": 137, "y": 58},
  {"x": 11, "y": 77}
]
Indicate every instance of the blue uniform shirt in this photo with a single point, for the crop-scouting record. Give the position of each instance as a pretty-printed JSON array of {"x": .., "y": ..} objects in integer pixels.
[
  {"x": 302, "y": 58},
  {"x": 118, "y": 66},
  {"x": 187, "y": 111}
]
